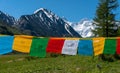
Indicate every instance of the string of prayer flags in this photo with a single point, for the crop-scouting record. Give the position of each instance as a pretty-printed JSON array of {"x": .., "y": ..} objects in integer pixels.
[
  {"x": 6, "y": 44},
  {"x": 22, "y": 43},
  {"x": 98, "y": 44},
  {"x": 85, "y": 47},
  {"x": 38, "y": 47},
  {"x": 55, "y": 45},
  {"x": 110, "y": 46},
  {"x": 70, "y": 47}
]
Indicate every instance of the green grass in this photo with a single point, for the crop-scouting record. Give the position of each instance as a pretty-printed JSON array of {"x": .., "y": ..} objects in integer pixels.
[{"x": 60, "y": 64}]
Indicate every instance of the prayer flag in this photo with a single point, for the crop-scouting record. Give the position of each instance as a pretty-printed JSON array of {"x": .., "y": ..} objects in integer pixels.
[
  {"x": 98, "y": 44},
  {"x": 70, "y": 47},
  {"x": 38, "y": 47},
  {"x": 85, "y": 47},
  {"x": 22, "y": 43},
  {"x": 118, "y": 46},
  {"x": 110, "y": 46},
  {"x": 6, "y": 44},
  {"x": 55, "y": 45}
]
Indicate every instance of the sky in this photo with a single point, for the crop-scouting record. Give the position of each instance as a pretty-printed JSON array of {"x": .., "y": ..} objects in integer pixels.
[{"x": 72, "y": 10}]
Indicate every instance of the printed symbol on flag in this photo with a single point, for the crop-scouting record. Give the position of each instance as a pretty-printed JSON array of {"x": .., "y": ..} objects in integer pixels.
[
  {"x": 70, "y": 44},
  {"x": 97, "y": 45},
  {"x": 40, "y": 47},
  {"x": 22, "y": 42},
  {"x": 97, "y": 41}
]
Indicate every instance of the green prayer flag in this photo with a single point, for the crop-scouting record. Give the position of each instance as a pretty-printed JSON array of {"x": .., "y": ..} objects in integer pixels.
[
  {"x": 110, "y": 46},
  {"x": 38, "y": 47}
]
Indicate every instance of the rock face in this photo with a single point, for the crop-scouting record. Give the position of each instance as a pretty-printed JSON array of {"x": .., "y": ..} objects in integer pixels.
[
  {"x": 6, "y": 25},
  {"x": 45, "y": 23},
  {"x": 6, "y": 29},
  {"x": 7, "y": 19}
]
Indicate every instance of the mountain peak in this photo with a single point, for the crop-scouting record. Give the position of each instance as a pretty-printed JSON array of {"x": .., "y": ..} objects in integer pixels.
[
  {"x": 6, "y": 18},
  {"x": 5, "y": 14},
  {"x": 48, "y": 13},
  {"x": 41, "y": 10},
  {"x": 45, "y": 23}
]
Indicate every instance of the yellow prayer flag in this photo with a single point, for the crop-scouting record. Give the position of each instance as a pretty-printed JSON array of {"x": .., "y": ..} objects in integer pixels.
[
  {"x": 98, "y": 44},
  {"x": 22, "y": 43}
]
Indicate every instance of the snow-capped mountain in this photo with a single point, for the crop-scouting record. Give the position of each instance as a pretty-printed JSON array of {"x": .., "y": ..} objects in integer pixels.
[
  {"x": 7, "y": 18},
  {"x": 84, "y": 27},
  {"x": 45, "y": 23}
]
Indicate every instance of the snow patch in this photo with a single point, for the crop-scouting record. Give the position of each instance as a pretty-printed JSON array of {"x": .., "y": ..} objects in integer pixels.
[
  {"x": 26, "y": 17},
  {"x": 38, "y": 10},
  {"x": 67, "y": 28},
  {"x": 49, "y": 14},
  {"x": 70, "y": 23},
  {"x": 41, "y": 17},
  {"x": 84, "y": 27},
  {"x": 7, "y": 21}
]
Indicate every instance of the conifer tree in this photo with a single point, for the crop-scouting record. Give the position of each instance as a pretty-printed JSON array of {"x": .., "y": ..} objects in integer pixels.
[
  {"x": 105, "y": 22},
  {"x": 105, "y": 19}
]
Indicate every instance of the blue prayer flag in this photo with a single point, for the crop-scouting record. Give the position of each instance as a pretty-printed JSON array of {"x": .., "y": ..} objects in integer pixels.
[
  {"x": 85, "y": 47},
  {"x": 6, "y": 44}
]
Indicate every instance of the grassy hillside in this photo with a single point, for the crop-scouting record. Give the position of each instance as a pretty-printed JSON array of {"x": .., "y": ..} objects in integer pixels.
[
  {"x": 61, "y": 64},
  {"x": 7, "y": 29}
]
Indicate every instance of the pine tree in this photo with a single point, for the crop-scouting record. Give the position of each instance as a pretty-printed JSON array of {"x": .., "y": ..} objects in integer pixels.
[
  {"x": 105, "y": 19},
  {"x": 105, "y": 22}
]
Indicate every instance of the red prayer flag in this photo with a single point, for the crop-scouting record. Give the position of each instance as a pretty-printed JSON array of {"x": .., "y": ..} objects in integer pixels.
[
  {"x": 118, "y": 46},
  {"x": 55, "y": 45}
]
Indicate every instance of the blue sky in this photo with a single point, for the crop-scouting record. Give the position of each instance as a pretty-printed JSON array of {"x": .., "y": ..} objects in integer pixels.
[{"x": 72, "y": 10}]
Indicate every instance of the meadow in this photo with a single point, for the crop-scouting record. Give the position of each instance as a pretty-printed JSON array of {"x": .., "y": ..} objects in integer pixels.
[{"x": 23, "y": 63}]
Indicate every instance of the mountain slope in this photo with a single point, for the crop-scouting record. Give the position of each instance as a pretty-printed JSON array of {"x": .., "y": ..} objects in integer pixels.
[
  {"x": 8, "y": 30},
  {"x": 6, "y": 25},
  {"x": 84, "y": 27},
  {"x": 45, "y": 23},
  {"x": 7, "y": 19}
]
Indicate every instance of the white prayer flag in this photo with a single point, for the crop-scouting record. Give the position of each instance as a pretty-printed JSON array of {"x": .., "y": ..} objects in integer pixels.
[{"x": 70, "y": 47}]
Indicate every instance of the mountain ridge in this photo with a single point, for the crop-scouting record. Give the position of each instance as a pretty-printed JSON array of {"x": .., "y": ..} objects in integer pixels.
[
  {"x": 42, "y": 23},
  {"x": 7, "y": 18}
]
